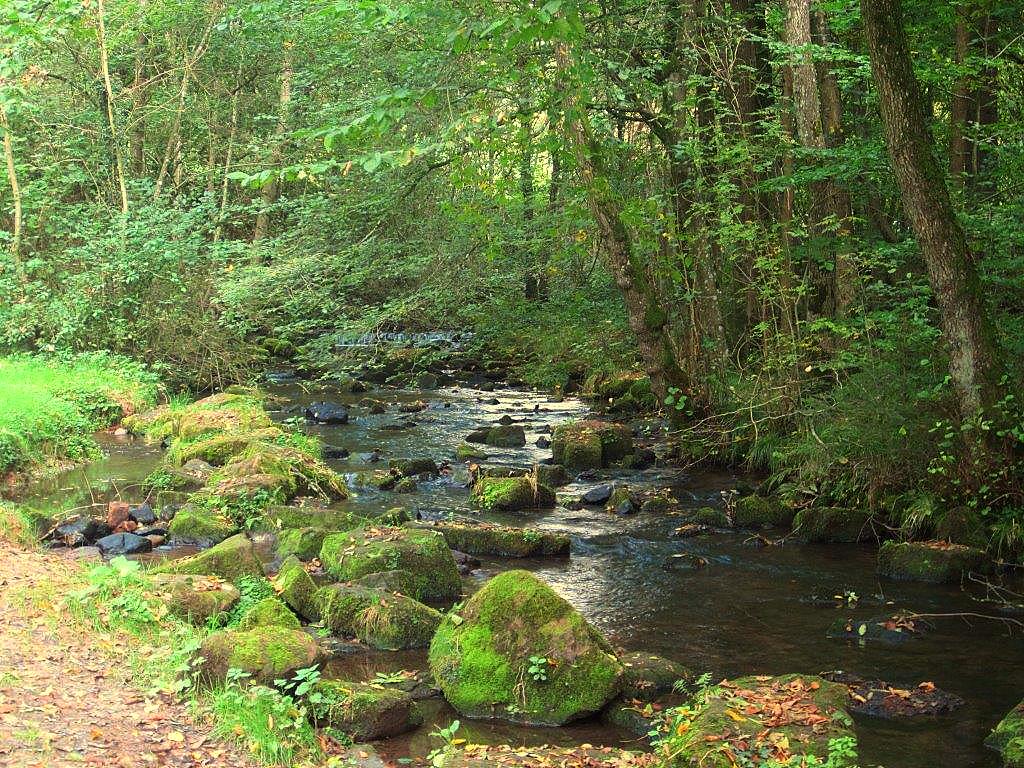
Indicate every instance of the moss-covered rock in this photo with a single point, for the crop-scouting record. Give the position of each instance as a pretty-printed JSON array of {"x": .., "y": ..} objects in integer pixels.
[
  {"x": 756, "y": 511},
  {"x": 380, "y": 479},
  {"x": 506, "y": 436},
  {"x": 217, "y": 448},
  {"x": 716, "y": 518},
  {"x": 362, "y": 711},
  {"x": 423, "y": 465},
  {"x": 752, "y": 715},
  {"x": 232, "y": 559},
  {"x": 961, "y": 525},
  {"x": 388, "y": 581},
  {"x": 481, "y": 655},
  {"x": 195, "y": 599},
  {"x": 499, "y": 540},
  {"x": 1007, "y": 738},
  {"x": 201, "y": 526},
  {"x": 265, "y": 653},
  {"x": 384, "y": 620},
  {"x": 268, "y": 612},
  {"x": 467, "y": 452},
  {"x": 933, "y": 561},
  {"x": 297, "y": 589},
  {"x": 590, "y": 444},
  {"x": 646, "y": 677},
  {"x": 512, "y": 494},
  {"x": 282, "y": 468},
  {"x": 304, "y": 543},
  {"x": 833, "y": 525},
  {"x": 424, "y": 554},
  {"x": 406, "y": 485},
  {"x": 551, "y": 475},
  {"x": 280, "y": 517}
]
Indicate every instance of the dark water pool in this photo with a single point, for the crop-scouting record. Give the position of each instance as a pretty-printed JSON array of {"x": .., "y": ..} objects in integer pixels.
[{"x": 748, "y": 611}]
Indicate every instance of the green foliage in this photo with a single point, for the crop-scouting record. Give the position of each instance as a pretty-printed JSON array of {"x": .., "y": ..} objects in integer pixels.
[{"x": 253, "y": 589}]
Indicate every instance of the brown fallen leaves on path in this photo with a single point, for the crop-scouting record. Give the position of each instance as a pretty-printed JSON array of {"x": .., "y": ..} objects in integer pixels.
[{"x": 66, "y": 702}]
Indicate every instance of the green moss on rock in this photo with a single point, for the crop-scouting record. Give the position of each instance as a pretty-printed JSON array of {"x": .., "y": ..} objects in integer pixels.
[
  {"x": 297, "y": 588},
  {"x": 195, "y": 599},
  {"x": 304, "y": 543},
  {"x": 204, "y": 527},
  {"x": 364, "y": 712},
  {"x": 265, "y": 653},
  {"x": 646, "y": 677},
  {"x": 498, "y": 540},
  {"x": 1007, "y": 738},
  {"x": 710, "y": 516},
  {"x": 756, "y": 511},
  {"x": 232, "y": 559},
  {"x": 384, "y": 620},
  {"x": 551, "y": 475},
  {"x": 268, "y": 612},
  {"x": 506, "y": 436},
  {"x": 511, "y": 494},
  {"x": 424, "y": 554},
  {"x": 590, "y": 444},
  {"x": 480, "y": 656},
  {"x": 833, "y": 525},
  {"x": 280, "y": 517},
  {"x": 467, "y": 452},
  {"x": 933, "y": 561},
  {"x": 423, "y": 465}
]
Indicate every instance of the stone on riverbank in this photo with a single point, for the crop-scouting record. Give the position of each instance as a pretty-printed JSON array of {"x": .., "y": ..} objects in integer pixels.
[
  {"x": 268, "y": 612},
  {"x": 195, "y": 599},
  {"x": 265, "y": 653},
  {"x": 932, "y": 561},
  {"x": 232, "y": 559},
  {"x": 363, "y": 711},
  {"x": 1007, "y": 738},
  {"x": 297, "y": 588},
  {"x": 757, "y": 511},
  {"x": 511, "y": 494},
  {"x": 280, "y": 517},
  {"x": 480, "y": 656},
  {"x": 590, "y": 444},
  {"x": 384, "y": 620},
  {"x": 834, "y": 525},
  {"x": 424, "y": 554},
  {"x": 304, "y": 543},
  {"x": 200, "y": 526},
  {"x": 646, "y": 677},
  {"x": 499, "y": 540}
]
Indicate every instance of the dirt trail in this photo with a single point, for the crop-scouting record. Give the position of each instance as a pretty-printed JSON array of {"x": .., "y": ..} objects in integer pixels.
[{"x": 64, "y": 701}]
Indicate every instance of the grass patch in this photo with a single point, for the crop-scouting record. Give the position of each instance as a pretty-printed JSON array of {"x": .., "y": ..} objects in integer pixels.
[
  {"x": 19, "y": 525},
  {"x": 49, "y": 407}
]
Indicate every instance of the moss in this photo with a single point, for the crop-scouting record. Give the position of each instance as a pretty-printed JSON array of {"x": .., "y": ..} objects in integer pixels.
[
  {"x": 155, "y": 424},
  {"x": 197, "y": 525},
  {"x": 511, "y": 494},
  {"x": 297, "y": 589},
  {"x": 756, "y": 511},
  {"x": 406, "y": 485},
  {"x": 268, "y": 612},
  {"x": 414, "y": 467},
  {"x": 500, "y": 541},
  {"x": 304, "y": 543},
  {"x": 218, "y": 448},
  {"x": 232, "y": 559},
  {"x": 394, "y": 516},
  {"x": 1008, "y": 738},
  {"x": 283, "y": 468},
  {"x": 833, "y": 524},
  {"x": 382, "y": 480},
  {"x": 744, "y": 715},
  {"x": 279, "y": 517},
  {"x": 933, "y": 561},
  {"x": 424, "y": 554},
  {"x": 506, "y": 436},
  {"x": 656, "y": 505},
  {"x": 480, "y": 655},
  {"x": 467, "y": 452},
  {"x": 232, "y": 413},
  {"x": 388, "y": 581},
  {"x": 710, "y": 516},
  {"x": 551, "y": 475},
  {"x": 265, "y": 653},
  {"x": 363, "y": 712},
  {"x": 380, "y": 619},
  {"x": 590, "y": 444},
  {"x": 646, "y": 677},
  {"x": 195, "y": 599}
]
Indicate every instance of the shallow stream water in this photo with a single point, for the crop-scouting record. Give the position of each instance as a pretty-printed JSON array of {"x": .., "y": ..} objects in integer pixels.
[{"x": 748, "y": 611}]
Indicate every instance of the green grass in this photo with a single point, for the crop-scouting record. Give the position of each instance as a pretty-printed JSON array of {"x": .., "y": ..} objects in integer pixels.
[{"x": 50, "y": 407}]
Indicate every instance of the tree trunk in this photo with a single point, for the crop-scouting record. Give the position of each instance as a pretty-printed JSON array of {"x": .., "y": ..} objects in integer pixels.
[
  {"x": 973, "y": 365},
  {"x": 271, "y": 188},
  {"x": 12, "y": 177},
  {"x": 108, "y": 90},
  {"x": 140, "y": 97}
]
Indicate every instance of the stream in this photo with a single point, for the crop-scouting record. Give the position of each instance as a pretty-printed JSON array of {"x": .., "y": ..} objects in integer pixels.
[{"x": 750, "y": 610}]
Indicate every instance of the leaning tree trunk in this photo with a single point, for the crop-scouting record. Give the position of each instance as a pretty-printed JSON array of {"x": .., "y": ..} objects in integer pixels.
[
  {"x": 108, "y": 92},
  {"x": 272, "y": 188},
  {"x": 952, "y": 271}
]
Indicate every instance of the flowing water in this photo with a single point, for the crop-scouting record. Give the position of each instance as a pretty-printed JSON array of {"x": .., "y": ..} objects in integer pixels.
[{"x": 750, "y": 610}]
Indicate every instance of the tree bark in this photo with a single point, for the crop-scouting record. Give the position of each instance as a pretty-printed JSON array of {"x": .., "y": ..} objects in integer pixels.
[
  {"x": 973, "y": 364},
  {"x": 271, "y": 188},
  {"x": 12, "y": 177},
  {"x": 108, "y": 89}
]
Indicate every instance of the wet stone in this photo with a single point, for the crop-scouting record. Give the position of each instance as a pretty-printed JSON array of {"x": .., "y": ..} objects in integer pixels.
[
  {"x": 327, "y": 413},
  {"x": 123, "y": 544}
]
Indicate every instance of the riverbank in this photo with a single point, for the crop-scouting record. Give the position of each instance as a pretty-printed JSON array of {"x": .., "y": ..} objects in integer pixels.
[{"x": 50, "y": 408}]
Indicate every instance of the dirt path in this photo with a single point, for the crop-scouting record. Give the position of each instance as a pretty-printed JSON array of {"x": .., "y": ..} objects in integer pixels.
[{"x": 63, "y": 699}]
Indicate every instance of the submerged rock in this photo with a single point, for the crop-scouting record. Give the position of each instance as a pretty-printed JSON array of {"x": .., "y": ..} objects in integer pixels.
[
  {"x": 266, "y": 654},
  {"x": 362, "y": 711},
  {"x": 195, "y": 599},
  {"x": 512, "y": 494},
  {"x": 894, "y": 629},
  {"x": 481, "y": 656},
  {"x": 424, "y": 554},
  {"x": 590, "y": 444},
  {"x": 876, "y": 698},
  {"x": 384, "y": 620},
  {"x": 1007, "y": 738},
  {"x": 933, "y": 561},
  {"x": 498, "y": 540}
]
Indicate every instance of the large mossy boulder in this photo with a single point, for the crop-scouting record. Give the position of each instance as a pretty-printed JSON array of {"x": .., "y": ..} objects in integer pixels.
[
  {"x": 219, "y": 447},
  {"x": 284, "y": 470},
  {"x": 482, "y": 654},
  {"x": 386, "y": 620},
  {"x": 195, "y": 599},
  {"x": 590, "y": 444},
  {"x": 268, "y": 612},
  {"x": 304, "y": 543},
  {"x": 266, "y": 654},
  {"x": 791, "y": 715},
  {"x": 833, "y": 525},
  {"x": 484, "y": 539},
  {"x": 364, "y": 712},
  {"x": 933, "y": 561},
  {"x": 423, "y": 554},
  {"x": 506, "y": 436},
  {"x": 232, "y": 559},
  {"x": 512, "y": 494},
  {"x": 200, "y": 525},
  {"x": 1007, "y": 738},
  {"x": 757, "y": 511},
  {"x": 325, "y": 518},
  {"x": 297, "y": 589}
]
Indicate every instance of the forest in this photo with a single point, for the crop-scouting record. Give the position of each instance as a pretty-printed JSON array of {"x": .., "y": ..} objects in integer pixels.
[{"x": 512, "y": 382}]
